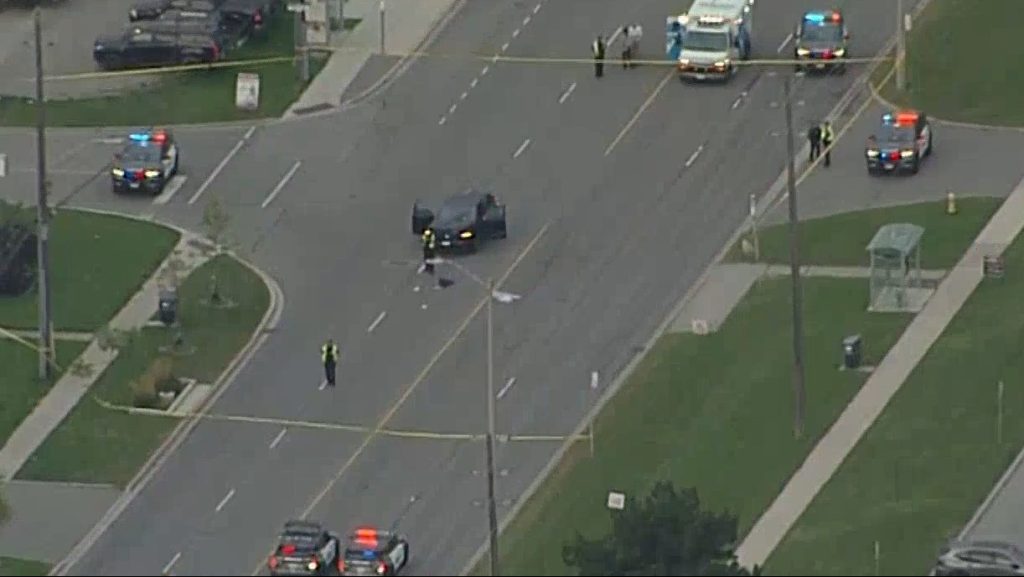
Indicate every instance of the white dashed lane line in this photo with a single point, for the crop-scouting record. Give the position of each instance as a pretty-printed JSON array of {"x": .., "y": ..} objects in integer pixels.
[
  {"x": 485, "y": 71},
  {"x": 536, "y": 9},
  {"x": 225, "y": 500},
  {"x": 515, "y": 33},
  {"x": 526, "y": 20},
  {"x": 565, "y": 95},
  {"x": 522, "y": 147},
  {"x": 167, "y": 568},
  {"x": 504, "y": 47},
  {"x": 224, "y": 162},
  {"x": 784, "y": 43},
  {"x": 473, "y": 83},
  {"x": 277, "y": 439},
  {"x": 377, "y": 321},
  {"x": 281, "y": 184},
  {"x": 693, "y": 157},
  {"x": 504, "y": 390}
]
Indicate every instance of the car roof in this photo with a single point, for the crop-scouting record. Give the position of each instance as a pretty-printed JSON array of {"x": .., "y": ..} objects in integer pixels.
[
  {"x": 370, "y": 539},
  {"x": 467, "y": 199},
  {"x": 303, "y": 528}
]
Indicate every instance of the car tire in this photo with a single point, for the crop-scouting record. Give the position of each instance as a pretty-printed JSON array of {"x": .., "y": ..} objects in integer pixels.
[
  {"x": 405, "y": 562},
  {"x": 916, "y": 167},
  {"x": 930, "y": 146}
]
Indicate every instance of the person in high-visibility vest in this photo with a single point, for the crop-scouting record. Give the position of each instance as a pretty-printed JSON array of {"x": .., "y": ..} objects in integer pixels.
[
  {"x": 329, "y": 356},
  {"x": 429, "y": 250},
  {"x": 827, "y": 139}
]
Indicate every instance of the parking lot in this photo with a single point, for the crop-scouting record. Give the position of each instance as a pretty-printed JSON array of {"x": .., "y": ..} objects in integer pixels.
[{"x": 69, "y": 29}]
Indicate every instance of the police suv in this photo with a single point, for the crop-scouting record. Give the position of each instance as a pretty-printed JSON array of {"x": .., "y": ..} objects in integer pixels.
[{"x": 820, "y": 42}]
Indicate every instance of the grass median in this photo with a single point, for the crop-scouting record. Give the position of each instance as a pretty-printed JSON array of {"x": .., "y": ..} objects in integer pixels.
[
  {"x": 928, "y": 462},
  {"x": 96, "y": 445},
  {"x": 713, "y": 412},
  {"x": 22, "y": 389},
  {"x": 97, "y": 263},
  {"x": 195, "y": 96},
  {"x": 22, "y": 567},
  {"x": 959, "y": 62},
  {"x": 841, "y": 240}
]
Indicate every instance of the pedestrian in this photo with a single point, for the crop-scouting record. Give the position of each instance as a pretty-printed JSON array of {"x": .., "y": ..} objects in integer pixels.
[
  {"x": 814, "y": 137},
  {"x": 827, "y": 138},
  {"x": 634, "y": 50},
  {"x": 429, "y": 250},
  {"x": 329, "y": 356},
  {"x": 598, "y": 49},
  {"x": 627, "y": 45}
]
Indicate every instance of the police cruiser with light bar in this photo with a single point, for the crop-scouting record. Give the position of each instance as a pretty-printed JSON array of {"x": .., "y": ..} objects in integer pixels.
[
  {"x": 707, "y": 41},
  {"x": 305, "y": 548},
  {"x": 372, "y": 551},
  {"x": 902, "y": 140},
  {"x": 146, "y": 163},
  {"x": 820, "y": 42}
]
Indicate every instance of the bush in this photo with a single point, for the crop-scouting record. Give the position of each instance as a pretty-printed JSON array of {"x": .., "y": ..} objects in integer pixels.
[
  {"x": 146, "y": 388},
  {"x": 17, "y": 251}
]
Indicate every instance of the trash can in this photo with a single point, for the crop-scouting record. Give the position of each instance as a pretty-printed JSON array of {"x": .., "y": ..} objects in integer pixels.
[
  {"x": 852, "y": 351},
  {"x": 168, "y": 306}
]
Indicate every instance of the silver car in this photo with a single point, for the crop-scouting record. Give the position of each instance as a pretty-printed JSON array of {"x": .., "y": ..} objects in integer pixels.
[{"x": 980, "y": 558}]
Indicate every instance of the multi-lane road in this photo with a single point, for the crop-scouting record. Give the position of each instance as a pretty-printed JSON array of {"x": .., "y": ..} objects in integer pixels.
[{"x": 620, "y": 191}]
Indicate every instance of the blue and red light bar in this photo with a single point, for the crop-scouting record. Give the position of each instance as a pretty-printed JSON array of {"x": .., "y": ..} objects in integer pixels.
[{"x": 821, "y": 18}]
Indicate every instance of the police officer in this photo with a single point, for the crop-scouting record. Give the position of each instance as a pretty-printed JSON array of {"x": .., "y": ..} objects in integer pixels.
[
  {"x": 429, "y": 250},
  {"x": 598, "y": 49},
  {"x": 827, "y": 138},
  {"x": 627, "y": 46},
  {"x": 814, "y": 137},
  {"x": 329, "y": 356}
]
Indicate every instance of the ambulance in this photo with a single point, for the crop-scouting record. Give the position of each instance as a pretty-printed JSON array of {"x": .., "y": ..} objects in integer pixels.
[{"x": 707, "y": 41}]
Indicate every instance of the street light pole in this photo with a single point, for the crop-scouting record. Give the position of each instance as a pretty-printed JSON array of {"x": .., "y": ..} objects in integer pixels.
[
  {"x": 492, "y": 509},
  {"x": 901, "y": 48},
  {"x": 42, "y": 213},
  {"x": 799, "y": 392},
  {"x": 383, "y": 15}
]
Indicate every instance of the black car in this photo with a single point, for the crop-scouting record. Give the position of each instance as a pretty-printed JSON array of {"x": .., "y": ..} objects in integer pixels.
[
  {"x": 374, "y": 552},
  {"x": 465, "y": 220},
  {"x": 146, "y": 163},
  {"x": 153, "y": 9},
  {"x": 245, "y": 17},
  {"x": 141, "y": 49},
  {"x": 212, "y": 24},
  {"x": 305, "y": 548},
  {"x": 820, "y": 42},
  {"x": 902, "y": 140}
]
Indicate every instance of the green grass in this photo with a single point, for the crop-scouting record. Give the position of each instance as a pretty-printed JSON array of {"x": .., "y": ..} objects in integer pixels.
[
  {"x": 840, "y": 240},
  {"x": 930, "y": 459},
  {"x": 22, "y": 388},
  {"x": 713, "y": 412},
  {"x": 95, "y": 445},
  {"x": 22, "y": 567},
  {"x": 195, "y": 96},
  {"x": 98, "y": 262},
  {"x": 957, "y": 57}
]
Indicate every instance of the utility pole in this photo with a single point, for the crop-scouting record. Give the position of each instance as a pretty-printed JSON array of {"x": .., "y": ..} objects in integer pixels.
[
  {"x": 901, "y": 49},
  {"x": 42, "y": 214},
  {"x": 799, "y": 392},
  {"x": 300, "y": 39},
  {"x": 492, "y": 509},
  {"x": 383, "y": 21}
]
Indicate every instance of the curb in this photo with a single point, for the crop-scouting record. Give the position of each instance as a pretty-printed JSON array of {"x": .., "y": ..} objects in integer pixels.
[
  {"x": 148, "y": 470},
  {"x": 765, "y": 203},
  {"x": 957, "y": 123}
]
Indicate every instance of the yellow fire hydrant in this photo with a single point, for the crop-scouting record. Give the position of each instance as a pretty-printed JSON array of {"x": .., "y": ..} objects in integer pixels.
[{"x": 951, "y": 203}]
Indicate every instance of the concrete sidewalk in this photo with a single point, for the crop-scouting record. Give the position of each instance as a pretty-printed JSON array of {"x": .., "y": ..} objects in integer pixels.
[
  {"x": 407, "y": 24},
  {"x": 70, "y": 388},
  {"x": 886, "y": 380}
]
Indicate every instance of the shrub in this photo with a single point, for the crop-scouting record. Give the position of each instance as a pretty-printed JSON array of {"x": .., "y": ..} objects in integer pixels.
[
  {"x": 17, "y": 251},
  {"x": 146, "y": 388}
]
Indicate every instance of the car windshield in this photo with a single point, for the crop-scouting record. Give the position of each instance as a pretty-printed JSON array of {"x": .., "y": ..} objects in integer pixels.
[
  {"x": 357, "y": 556},
  {"x": 823, "y": 33},
  {"x": 892, "y": 133},
  {"x": 141, "y": 154},
  {"x": 706, "y": 42},
  {"x": 455, "y": 216}
]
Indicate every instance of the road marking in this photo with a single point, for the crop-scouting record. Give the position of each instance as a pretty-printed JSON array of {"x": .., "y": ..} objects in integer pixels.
[
  {"x": 472, "y": 84},
  {"x": 377, "y": 321},
  {"x": 464, "y": 95},
  {"x": 423, "y": 374},
  {"x": 216, "y": 171},
  {"x": 693, "y": 157},
  {"x": 515, "y": 33},
  {"x": 526, "y": 20},
  {"x": 507, "y": 386},
  {"x": 521, "y": 148},
  {"x": 784, "y": 43},
  {"x": 504, "y": 47},
  {"x": 736, "y": 103},
  {"x": 108, "y": 140},
  {"x": 536, "y": 9},
  {"x": 323, "y": 385},
  {"x": 452, "y": 108},
  {"x": 172, "y": 188},
  {"x": 225, "y": 500},
  {"x": 484, "y": 71},
  {"x": 281, "y": 184},
  {"x": 594, "y": 379},
  {"x": 614, "y": 35},
  {"x": 442, "y": 121},
  {"x": 278, "y": 438},
  {"x": 643, "y": 107},
  {"x": 167, "y": 567},
  {"x": 565, "y": 95}
]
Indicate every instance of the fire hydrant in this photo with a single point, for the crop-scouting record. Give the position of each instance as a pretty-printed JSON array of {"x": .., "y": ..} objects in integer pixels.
[{"x": 951, "y": 203}]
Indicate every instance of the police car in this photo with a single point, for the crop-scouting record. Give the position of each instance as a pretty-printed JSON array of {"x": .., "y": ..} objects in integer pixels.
[
  {"x": 820, "y": 42},
  {"x": 899, "y": 144},
  {"x": 305, "y": 548},
  {"x": 371, "y": 551},
  {"x": 146, "y": 163}
]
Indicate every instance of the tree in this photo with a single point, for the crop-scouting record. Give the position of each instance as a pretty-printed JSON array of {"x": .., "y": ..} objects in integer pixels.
[{"x": 665, "y": 534}]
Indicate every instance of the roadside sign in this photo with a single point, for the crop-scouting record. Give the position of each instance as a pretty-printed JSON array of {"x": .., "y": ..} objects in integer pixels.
[
  {"x": 616, "y": 500},
  {"x": 3, "y": 165},
  {"x": 247, "y": 91}
]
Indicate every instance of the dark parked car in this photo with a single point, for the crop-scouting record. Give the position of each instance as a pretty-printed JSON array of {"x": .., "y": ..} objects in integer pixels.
[
  {"x": 464, "y": 221},
  {"x": 144, "y": 49}
]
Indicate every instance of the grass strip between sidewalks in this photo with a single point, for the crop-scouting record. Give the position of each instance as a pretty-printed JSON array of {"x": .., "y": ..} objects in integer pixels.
[
  {"x": 95, "y": 445},
  {"x": 928, "y": 462},
  {"x": 22, "y": 567},
  {"x": 713, "y": 412}
]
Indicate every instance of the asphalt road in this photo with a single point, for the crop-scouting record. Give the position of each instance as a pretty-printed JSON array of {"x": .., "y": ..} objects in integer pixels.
[{"x": 600, "y": 248}]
